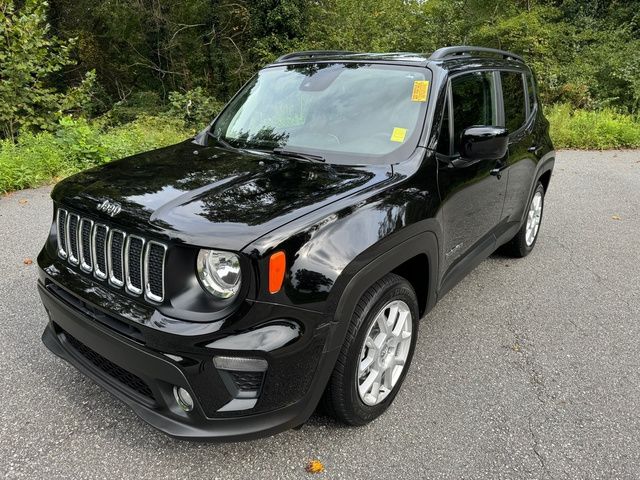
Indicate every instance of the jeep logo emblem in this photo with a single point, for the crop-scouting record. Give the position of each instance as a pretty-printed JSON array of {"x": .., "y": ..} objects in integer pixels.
[{"x": 110, "y": 208}]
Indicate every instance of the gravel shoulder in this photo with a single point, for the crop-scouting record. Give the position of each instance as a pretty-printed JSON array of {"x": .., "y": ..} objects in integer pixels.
[{"x": 527, "y": 369}]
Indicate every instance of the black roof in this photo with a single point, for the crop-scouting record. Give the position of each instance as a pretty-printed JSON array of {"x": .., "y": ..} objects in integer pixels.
[{"x": 441, "y": 55}]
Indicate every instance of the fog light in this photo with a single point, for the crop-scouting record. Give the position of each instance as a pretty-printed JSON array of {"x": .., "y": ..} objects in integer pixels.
[{"x": 183, "y": 398}]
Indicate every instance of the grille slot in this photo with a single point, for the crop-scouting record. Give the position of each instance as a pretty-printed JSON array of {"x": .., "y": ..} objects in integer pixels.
[
  {"x": 133, "y": 264},
  {"x": 100, "y": 250},
  {"x": 249, "y": 381},
  {"x": 72, "y": 237},
  {"x": 86, "y": 228},
  {"x": 116, "y": 255},
  {"x": 116, "y": 372},
  {"x": 125, "y": 260},
  {"x": 154, "y": 271},
  {"x": 62, "y": 233}
]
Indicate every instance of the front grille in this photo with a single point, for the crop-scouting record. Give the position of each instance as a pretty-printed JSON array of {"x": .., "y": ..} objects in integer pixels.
[
  {"x": 116, "y": 372},
  {"x": 251, "y": 381},
  {"x": 126, "y": 261}
]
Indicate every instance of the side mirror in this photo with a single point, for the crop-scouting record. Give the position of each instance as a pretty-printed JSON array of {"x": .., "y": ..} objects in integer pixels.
[{"x": 484, "y": 143}]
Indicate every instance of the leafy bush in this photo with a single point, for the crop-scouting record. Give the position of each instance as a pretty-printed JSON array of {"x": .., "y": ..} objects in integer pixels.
[
  {"x": 39, "y": 158},
  {"x": 194, "y": 107},
  {"x": 585, "y": 129},
  {"x": 138, "y": 104},
  {"x": 29, "y": 56}
]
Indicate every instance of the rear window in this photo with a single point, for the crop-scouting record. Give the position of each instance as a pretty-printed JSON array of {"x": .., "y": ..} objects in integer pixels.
[{"x": 514, "y": 100}]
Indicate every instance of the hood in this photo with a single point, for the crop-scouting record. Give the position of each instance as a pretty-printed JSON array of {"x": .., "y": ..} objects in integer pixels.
[{"x": 209, "y": 196}]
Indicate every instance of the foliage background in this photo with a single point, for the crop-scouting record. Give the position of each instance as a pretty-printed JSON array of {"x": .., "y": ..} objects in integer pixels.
[{"x": 75, "y": 73}]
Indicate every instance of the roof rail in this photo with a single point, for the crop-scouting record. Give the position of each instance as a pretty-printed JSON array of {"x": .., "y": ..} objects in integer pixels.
[
  {"x": 312, "y": 54},
  {"x": 445, "y": 52}
]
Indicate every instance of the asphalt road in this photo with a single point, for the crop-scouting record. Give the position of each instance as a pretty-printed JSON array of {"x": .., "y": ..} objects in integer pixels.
[{"x": 527, "y": 369}]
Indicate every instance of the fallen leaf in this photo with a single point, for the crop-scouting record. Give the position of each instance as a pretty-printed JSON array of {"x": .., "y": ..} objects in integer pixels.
[
  {"x": 315, "y": 466},
  {"x": 23, "y": 201},
  {"x": 616, "y": 217},
  {"x": 27, "y": 261}
]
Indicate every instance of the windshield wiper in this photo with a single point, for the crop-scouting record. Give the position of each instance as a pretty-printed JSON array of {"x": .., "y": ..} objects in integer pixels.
[{"x": 303, "y": 156}]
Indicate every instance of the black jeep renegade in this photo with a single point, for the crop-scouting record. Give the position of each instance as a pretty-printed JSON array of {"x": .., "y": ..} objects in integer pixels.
[{"x": 225, "y": 286}]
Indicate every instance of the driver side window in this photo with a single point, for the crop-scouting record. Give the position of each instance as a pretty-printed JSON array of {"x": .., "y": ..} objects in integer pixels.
[{"x": 473, "y": 97}]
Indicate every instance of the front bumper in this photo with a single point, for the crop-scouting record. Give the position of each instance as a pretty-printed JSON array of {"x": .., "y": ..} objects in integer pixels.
[{"x": 144, "y": 378}]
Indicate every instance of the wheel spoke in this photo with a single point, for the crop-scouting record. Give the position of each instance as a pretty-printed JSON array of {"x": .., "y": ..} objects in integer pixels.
[
  {"x": 388, "y": 377},
  {"x": 365, "y": 387},
  {"x": 382, "y": 323},
  {"x": 402, "y": 319},
  {"x": 393, "y": 316},
  {"x": 366, "y": 363},
  {"x": 375, "y": 392},
  {"x": 398, "y": 362},
  {"x": 379, "y": 340}
]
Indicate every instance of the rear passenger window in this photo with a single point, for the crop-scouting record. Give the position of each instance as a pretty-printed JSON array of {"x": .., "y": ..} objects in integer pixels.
[
  {"x": 513, "y": 99},
  {"x": 473, "y": 103},
  {"x": 532, "y": 93}
]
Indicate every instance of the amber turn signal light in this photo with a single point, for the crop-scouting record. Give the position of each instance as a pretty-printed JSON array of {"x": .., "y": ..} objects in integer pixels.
[{"x": 277, "y": 264}]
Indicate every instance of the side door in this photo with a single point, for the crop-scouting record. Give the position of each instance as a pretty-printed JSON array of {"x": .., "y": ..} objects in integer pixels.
[
  {"x": 471, "y": 192},
  {"x": 520, "y": 110}
]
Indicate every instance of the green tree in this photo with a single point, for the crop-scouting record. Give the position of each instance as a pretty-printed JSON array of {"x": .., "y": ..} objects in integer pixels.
[{"x": 29, "y": 56}]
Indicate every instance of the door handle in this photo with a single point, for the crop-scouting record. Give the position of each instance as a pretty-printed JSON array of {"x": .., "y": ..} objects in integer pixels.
[{"x": 534, "y": 149}]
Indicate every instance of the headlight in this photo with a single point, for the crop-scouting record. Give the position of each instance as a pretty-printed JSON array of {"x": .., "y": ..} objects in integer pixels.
[{"x": 219, "y": 272}]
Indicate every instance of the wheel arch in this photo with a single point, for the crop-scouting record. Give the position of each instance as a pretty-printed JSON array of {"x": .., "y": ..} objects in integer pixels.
[
  {"x": 405, "y": 259},
  {"x": 544, "y": 170},
  {"x": 545, "y": 178}
]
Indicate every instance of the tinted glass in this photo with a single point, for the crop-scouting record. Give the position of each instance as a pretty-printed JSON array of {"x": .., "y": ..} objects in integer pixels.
[
  {"x": 513, "y": 99},
  {"x": 532, "y": 92},
  {"x": 347, "y": 113},
  {"x": 444, "y": 139},
  {"x": 473, "y": 101}
]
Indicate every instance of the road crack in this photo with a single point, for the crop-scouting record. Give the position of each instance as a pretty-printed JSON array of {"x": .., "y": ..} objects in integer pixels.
[{"x": 527, "y": 364}]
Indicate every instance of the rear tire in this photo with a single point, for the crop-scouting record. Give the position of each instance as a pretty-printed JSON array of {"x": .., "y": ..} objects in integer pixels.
[
  {"x": 381, "y": 337},
  {"x": 522, "y": 244}
]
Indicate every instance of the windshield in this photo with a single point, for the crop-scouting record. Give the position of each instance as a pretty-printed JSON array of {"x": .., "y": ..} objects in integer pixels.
[{"x": 345, "y": 113}]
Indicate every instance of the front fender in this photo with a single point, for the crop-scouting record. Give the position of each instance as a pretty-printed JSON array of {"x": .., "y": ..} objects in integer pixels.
[
  {"x": 372, "y": 265},
  {"x": 335, "y": 245}
]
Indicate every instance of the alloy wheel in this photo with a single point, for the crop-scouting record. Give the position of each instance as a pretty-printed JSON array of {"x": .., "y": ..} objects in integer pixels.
[
  {"x": 384, "y": 353},
  {"x": 533, "y": 218}
]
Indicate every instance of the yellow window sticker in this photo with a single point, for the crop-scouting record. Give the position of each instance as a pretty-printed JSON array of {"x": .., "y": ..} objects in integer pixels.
[
  {"x": 398, "y": 134},
  {"x": 420, "y": 90}
]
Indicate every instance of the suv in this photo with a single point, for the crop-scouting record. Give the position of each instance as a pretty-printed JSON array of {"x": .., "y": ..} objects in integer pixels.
[{"x": 226, "y": 286}]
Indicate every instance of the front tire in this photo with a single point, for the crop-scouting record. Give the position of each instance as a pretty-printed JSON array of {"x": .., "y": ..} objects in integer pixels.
[
  {"x": 376, "y": 353},
  {"x": 522, "y": 244}
]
